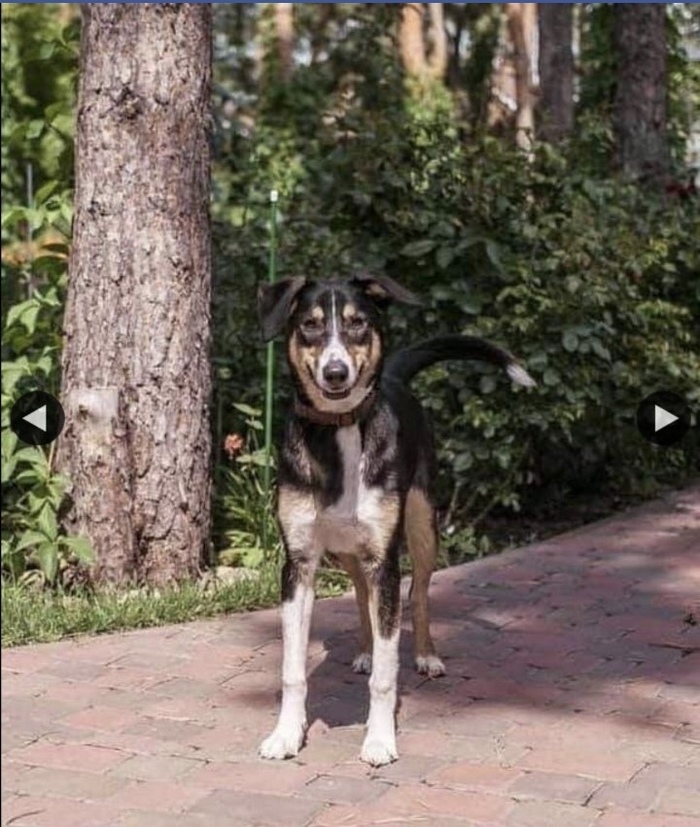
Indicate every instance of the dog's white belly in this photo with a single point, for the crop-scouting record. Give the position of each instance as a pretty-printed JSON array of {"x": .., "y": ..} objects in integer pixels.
[{"x": 350, "y": 523}]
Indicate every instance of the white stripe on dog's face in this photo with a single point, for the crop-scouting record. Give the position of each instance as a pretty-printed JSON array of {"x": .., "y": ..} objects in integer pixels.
[{"x": 335, "y": 351}]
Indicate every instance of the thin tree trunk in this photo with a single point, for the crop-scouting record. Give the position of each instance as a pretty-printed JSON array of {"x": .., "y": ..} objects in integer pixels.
[
  {"x": 284, "y": 34},
  {"x": 136, "y": 381},
  {"x": 411, "y": 40},
  {"x": 521, "y": 19},
  {"x": 437, "y": 61},
  {"x": 640, "y": 105},
  {"x": 556, "y": 69}
]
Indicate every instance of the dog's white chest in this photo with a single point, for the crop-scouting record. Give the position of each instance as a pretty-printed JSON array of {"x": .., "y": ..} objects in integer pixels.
[
  {"x": 350, "y": 449},
  {"x": 346, "y": 525}
]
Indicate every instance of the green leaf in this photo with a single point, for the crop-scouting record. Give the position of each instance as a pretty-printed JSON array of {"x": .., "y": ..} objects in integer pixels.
[
  {"x": 9, "y": 443},
  {"x": 46, "y": 522},
  {"x": 416, "y": 249},
  {"x": 550, "y": 377},
  {"x": 246, "y": 409},
  {"x": 34, "y": 129},
  {"x": 30, "y": 539},
  {"x": 8, "y": 467},
  {"x": 29, "y": 317},
  {"x": 493, "y": 253},
  {"x": 570, "y": 341},
  {"x": 45, "y": 192},
  {"x": 81, "y": 548},
  {"x": 445, "y": 257},
  {"x": 47, "y": 558},
  {"x": 487, "y": 384}
]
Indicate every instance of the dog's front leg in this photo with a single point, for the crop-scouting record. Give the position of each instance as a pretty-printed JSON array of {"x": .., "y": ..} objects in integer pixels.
[
  {"x": 298, "y": 600},
  {"x": 384, "y": 587}
]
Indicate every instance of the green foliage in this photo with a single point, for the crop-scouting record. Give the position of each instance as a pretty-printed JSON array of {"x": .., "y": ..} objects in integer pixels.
[
  {"x": 32, "y": 493},
  {"x": 246, "y": 533},
  {"x": 39, "y": 62},
  {"x": 593, "y": 283}
]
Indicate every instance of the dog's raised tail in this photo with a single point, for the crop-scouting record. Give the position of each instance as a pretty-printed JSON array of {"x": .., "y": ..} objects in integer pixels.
[{"x": 404, "y": 364}]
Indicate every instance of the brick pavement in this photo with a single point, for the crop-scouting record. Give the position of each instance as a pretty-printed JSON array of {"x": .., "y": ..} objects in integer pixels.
[{"x": 572, "y": 699}]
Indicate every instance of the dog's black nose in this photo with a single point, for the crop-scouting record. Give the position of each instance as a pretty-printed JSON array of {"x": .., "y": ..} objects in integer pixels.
[{"x": 336, "y": 372}]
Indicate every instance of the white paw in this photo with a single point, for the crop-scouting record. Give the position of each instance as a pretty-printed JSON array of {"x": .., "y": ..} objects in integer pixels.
[
  {"x": 377, "y": 753},
  {"x": 362, "y": 664},
  {"x": 282, "y": 743},
  {"x": 430, "y": 665}
]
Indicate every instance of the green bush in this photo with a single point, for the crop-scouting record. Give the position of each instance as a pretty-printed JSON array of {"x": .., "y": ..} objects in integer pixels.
[{"x": 592, "y": 282}]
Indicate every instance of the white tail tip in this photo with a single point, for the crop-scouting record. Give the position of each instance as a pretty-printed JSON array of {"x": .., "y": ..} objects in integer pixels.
[{"x": 520, "y": 376}]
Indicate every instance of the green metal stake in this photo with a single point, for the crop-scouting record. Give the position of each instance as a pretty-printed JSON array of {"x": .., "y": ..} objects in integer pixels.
[{"x": 270, "y": 361}]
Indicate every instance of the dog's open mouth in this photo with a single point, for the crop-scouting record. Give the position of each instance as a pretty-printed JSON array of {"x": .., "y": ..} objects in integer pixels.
[{"x": 341, "y": 394}]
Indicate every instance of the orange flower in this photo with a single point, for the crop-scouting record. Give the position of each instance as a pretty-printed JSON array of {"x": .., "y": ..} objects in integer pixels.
[{"x": 233, "y": 445}]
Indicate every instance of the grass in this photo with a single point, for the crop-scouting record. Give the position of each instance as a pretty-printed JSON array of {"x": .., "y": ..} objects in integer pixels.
[{"x": 32, "y": 615}]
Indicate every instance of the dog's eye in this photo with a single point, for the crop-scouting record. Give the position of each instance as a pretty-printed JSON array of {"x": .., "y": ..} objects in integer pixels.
[
  {"x": 357, "y": 323},
  {"x": 311, "y": 325}
]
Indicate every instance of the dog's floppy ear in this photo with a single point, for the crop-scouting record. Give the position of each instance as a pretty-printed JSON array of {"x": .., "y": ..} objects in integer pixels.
[
  {"x": 384, "y": 290},
  {"x": 276, "y": 303}
]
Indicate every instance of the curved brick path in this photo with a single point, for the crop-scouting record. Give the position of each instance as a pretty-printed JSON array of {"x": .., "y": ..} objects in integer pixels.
[{"x": 573, "y": 699}]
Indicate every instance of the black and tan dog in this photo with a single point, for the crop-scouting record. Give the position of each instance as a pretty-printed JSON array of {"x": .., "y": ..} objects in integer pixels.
[{"x": 355, "y": 468}]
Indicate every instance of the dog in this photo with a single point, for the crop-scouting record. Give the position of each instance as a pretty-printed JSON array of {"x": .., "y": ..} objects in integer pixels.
[{"x": 354, "y": 475}]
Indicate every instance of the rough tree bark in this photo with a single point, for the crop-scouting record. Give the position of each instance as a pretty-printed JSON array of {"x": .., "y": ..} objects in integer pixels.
[
  {"x": 411, "y": 40},
  {"x": 521, "y": 18},
  {"x": 419, "y": 61},
  {"x": 639, "y": 108},
  {"x": 556, "y": 69},
  {"x": 284, "y": 35},
  {"x": 136, "y": 382},
  {"x": 437, "y": 60}
]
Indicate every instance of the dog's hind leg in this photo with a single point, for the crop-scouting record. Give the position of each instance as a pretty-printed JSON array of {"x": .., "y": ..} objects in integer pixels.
[
  {"x": 362, "y": 663},
  {"x": 422, "y": 541}
]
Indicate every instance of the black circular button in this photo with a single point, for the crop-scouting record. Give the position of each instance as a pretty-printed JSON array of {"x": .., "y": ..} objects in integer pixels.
[
  {"x": 37, "y": 418},
  {"x": 663, "y": 418}
]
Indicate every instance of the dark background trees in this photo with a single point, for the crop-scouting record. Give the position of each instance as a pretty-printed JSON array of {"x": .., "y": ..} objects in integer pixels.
[{"x": 389, "y": 158}]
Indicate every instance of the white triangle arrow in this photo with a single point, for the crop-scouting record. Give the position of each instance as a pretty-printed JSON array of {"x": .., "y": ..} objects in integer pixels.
[
  {"x": 37, "y": 418},
  {"x": 662, "y": 418}
]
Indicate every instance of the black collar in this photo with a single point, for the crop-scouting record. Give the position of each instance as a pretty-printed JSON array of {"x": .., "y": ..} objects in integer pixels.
[{"x": 337, "y": 420}]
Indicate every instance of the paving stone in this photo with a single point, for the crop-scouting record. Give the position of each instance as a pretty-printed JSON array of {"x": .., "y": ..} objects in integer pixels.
[
  {"x": 679, "y": 800},
  {"x": 44, "y": 781},
  {"x": 32, "y": 811},
  {"x": 549, "y": 813},
  {"x": 255, "y": 776},
  {"x": 242, "y": 808},
  {"x": 465, "y": 776},
  {"x": 83, "y": 757},
  {"x": 554, "y": 786},
  {"x": 158, "y": 796},
  {"x": 343, "y": 790},
  {"x": 156, "y": 767}
]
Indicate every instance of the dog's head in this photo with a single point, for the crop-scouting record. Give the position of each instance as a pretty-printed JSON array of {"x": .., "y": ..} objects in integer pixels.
[{"x": 334, "y": 338}]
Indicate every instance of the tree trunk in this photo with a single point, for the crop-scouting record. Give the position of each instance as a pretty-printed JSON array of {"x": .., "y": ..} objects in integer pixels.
[
  {"x": 556, "y": 68},
  {"x": 639, "y": 108},
  {"x": 411, "y": 40},
  {"x": 284, "y": 34},
  {"x": 521, "y": 19},
  {"x": 437, "y": 62},
  {"x": 136, "y": 381}
]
